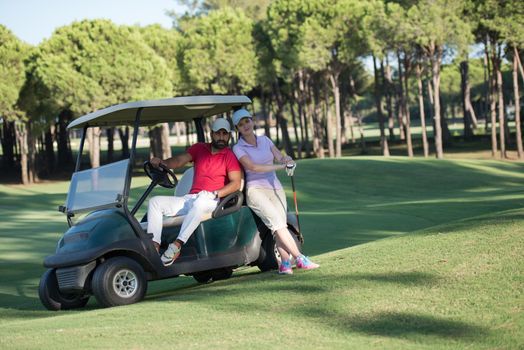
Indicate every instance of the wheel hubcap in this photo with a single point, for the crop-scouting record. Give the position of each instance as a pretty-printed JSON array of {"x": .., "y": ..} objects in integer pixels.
[{"x": 125, "y": 283}]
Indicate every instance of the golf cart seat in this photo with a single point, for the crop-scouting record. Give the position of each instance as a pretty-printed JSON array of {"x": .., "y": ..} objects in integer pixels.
[{"x": 227, "y": 205}]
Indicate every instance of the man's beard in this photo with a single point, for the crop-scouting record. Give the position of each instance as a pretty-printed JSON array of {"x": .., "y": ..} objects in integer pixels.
[{"x": 220, "y": 144}]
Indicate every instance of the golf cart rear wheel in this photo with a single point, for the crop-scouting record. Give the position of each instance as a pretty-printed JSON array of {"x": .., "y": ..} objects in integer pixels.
[
  {"x": 222, "y": 274},
  {"x": 269, "y": 257},
  {"x": 213, "y": 275},
  {"x": 119, "y": 281},
  {"x": 203, "y": 277},
  {"x": 53, "y": 299}
]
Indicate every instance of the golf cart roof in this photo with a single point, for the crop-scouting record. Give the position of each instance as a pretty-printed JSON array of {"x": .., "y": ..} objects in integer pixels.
[{"x": 174, "y": 109}]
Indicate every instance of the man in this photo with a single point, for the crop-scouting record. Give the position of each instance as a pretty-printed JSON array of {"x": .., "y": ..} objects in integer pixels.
[{"x": 216, "y": 174}]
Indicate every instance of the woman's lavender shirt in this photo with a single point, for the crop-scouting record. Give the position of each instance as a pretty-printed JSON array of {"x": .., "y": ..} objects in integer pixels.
[{"x": 259, "y": 154}]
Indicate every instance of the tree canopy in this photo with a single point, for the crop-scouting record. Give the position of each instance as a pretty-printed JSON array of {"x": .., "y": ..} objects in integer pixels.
[
  {"x": 12, "y": 71},
  {"x": 218, "y": 53},
  {"x": 93, "y": 64}
]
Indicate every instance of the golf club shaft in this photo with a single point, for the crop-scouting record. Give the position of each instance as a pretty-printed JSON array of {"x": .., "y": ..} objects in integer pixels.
[{"x": 295, "y": 199}]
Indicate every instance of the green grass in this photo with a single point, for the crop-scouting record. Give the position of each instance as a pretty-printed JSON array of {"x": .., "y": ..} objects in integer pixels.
[{"x": 414, "y": 253}]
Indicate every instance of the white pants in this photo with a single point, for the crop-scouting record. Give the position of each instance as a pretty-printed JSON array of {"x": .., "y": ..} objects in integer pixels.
[
  {"x": 269, "y": 205},
  {"x": 191, "y": 205}
]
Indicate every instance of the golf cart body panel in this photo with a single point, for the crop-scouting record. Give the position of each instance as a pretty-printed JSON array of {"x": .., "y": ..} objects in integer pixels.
[{"x": 108, "y": 252}]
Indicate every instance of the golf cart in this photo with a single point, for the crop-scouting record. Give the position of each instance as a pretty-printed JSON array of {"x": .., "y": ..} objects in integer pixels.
[{"x": 107, "y": 252}]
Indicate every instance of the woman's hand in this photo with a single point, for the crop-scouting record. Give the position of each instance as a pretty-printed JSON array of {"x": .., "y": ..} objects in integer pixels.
[
  {"x": 286, "y": 160},
  {"x": 290, "y": 168}
]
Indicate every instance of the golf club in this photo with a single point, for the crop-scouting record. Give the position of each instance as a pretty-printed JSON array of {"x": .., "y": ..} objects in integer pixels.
[{"x": 291, "y": 173}]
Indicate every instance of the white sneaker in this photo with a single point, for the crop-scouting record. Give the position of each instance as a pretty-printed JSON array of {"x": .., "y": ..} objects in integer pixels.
[{"x": 170, "y": 255}]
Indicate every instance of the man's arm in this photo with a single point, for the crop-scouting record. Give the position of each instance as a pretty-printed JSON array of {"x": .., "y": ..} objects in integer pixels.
[
  {"x": 175, "y": 162},
  {"x": 235, "y": 179}
]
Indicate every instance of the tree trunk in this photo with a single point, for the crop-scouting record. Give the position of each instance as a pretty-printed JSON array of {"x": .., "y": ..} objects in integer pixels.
[
  {"x": 110, "y": 133},
  {"x": 283, "y": 122},
  {"x": 188, "y": 133},
  {"x": 124, "y": 138},
  {"x": 166, "y": 147},
  {"x": 399, "y": 104},
  {"x": 8, "y": 144},
  {"x": 363, "y": 149},
  {"x": 65, "y": 156},
  {"x": 487, "y": 88},
  {"x": 176, "y": 126},
  {"x": 333, "y": 78},
  {"x": 297, "y": 93},
  {"x": 159, "y": 141},
  {"x": 93, "y": 139},
  {"x": 520, "y": 150},
  {"x": 378, "y": 101},
  {"x": 265, "y": 114},
  {"x": 21, "y": 138},
  {"x": 498, "y": 78},
  {"x": 270, "y": 120},
  {"x": 402, "y": 76},
  {"x": 304, "y": 117},
  {"x": 388, "y": 77},
  {"x": 491, "y": 99},
  {"x": 154, "y": 149},
  {"x": 318, "y": 142},
  {"x": 436, "y": 55},
  {"x": 49, "y": 151},
  {"x": 519, "y": 63},
  {"x": 298, "y": 140},
  {"x": 421, "y": 111},
  {"x": 31, "y": 154},
  {"x": 464, "y": 75},
  {"x": 329, "y": 123},
  {"x": 502, "y": 123}
]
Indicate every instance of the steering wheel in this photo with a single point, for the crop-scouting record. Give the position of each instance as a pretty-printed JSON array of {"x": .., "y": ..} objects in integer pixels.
[{"x": 162, "y": 176}]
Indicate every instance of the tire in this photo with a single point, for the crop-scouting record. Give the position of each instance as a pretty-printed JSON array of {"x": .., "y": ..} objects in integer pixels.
[
  {"x": 119, "y": 281},
  {"x": 269, "y": 257},
  {"x": 203, "y": 277},
  {"x": 222, "y": 274},
  {"x": 213, "y": 275},
  {"x": 53, "y": 299}
]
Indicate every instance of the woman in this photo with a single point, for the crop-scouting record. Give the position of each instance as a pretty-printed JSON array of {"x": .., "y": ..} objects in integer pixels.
[{"x": 265, "y": 195}]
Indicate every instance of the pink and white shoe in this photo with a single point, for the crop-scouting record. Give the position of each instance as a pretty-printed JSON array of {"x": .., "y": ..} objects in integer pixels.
[
  {"x": 285, "y": 268},
  {"x": 304, "y": 263}
]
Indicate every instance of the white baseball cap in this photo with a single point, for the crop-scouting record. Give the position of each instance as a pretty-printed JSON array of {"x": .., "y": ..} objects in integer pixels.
[
  {"x": 239, "y": 115},
  {"x": 221, "y": 123}
]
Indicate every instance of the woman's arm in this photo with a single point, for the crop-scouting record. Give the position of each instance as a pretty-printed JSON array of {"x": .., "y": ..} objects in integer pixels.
[
  {"x": 279, "y": 157},
  {"x": 248, "y": 164}
]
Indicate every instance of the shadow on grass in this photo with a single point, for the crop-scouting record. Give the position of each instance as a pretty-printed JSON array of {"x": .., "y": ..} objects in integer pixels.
[
  {"x": 404, "y": 325},
  {"x": 301, "y": 283},
  {"x": 397, "y": 324}
]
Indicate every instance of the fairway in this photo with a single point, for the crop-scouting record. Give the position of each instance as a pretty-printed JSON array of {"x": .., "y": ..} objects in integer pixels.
[{"x": 414, "y": 254}]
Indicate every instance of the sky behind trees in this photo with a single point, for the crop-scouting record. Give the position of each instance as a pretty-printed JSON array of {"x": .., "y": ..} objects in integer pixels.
[{"x": 34, "y": 20}]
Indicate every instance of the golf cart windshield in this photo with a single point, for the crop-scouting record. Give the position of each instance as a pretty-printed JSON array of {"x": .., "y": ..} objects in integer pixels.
[{"x": 97, "y": 187}]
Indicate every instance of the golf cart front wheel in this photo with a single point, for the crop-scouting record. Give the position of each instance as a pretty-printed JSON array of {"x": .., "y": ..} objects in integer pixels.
[
  {"x": 53, "y": 299},
  {"x": 119, "y": 281}
]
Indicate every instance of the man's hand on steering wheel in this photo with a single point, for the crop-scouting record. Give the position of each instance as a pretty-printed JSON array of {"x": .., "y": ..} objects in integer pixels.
[
  {"x": 160, "y": 173},
  {"x": 155, "y": 161}
]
